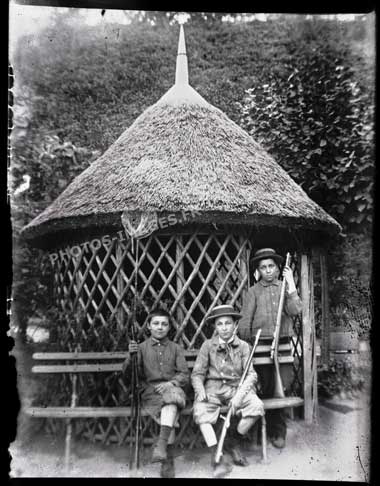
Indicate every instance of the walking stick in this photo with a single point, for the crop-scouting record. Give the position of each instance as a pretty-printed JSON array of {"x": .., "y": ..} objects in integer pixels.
[
  {"x": 227, "y": 418},
  {"x": 278, "y": 386},
  {"x": 146, "y": 224}
]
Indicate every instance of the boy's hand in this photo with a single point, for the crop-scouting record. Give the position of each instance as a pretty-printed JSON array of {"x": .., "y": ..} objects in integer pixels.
[
  {"x": 162, "y": 387},
  {"x": 133, "y": 347},
  {"x": 202, "y": 396},
  {"x": 288, "y": 276}
]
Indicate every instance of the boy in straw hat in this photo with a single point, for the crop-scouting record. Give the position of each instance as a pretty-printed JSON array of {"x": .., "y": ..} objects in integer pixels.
[
  {"x": 164, "y": 372},
  {"x": 215, "y": 377},
  {"x": 260, "y": 312}
]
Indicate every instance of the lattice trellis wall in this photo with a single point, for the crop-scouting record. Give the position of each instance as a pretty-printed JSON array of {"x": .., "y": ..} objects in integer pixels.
[{"x": 188, "y": 273}]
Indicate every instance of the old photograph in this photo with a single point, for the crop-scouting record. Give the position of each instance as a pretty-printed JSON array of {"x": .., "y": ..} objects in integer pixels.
[{"x": 191, "y": 199}]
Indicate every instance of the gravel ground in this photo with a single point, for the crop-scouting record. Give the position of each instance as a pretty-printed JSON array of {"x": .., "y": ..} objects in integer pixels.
[{"x": 335, "y": 448}]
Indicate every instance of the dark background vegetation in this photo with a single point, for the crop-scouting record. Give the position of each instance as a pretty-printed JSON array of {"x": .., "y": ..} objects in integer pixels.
[{"x": 303, "y": 88}]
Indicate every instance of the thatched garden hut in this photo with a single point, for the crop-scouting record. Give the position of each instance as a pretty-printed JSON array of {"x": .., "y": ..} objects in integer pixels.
[{"x": 217, "y": 194}]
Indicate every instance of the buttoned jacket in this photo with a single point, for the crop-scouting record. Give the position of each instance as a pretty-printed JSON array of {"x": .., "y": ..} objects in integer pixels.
[
  {"x": 222, "y": 363},
  {"x": 160, "y": 361},
  {"x": 260, "y": 308}
]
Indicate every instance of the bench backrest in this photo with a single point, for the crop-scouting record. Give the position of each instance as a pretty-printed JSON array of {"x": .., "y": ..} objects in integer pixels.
[{"x": 111, "y": 361}]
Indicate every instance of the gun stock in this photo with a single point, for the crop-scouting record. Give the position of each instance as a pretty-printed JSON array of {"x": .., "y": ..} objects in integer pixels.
[
  {"x": 226, "y": 425},
  {"x": 227, "y": 419},
  {"x": 278, "y": 386}
]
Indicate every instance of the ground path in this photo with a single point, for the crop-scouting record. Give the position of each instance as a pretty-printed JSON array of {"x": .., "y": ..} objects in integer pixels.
[{"x": 334, "y": 449}]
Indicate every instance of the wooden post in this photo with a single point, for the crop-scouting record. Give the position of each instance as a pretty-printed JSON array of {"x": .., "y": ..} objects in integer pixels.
[
  {"x": 244, "y": 265},
  {"x": 314, "y": 363},
  {"x": 119, "y": 286},
  {"x": 309, "y": 342},
  {"x": 74, "y": 398},
  {"x": 180, "y": 280},
  {"x": 325, "y": 351},
  {"x": 264, "y": 439}
]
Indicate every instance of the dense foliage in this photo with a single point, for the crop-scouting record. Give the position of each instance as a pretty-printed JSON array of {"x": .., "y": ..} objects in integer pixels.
[
  {"x": 341, "y": 377},
  {"x": 303, "y": 88},
  {"x": 317, "y": 121}
]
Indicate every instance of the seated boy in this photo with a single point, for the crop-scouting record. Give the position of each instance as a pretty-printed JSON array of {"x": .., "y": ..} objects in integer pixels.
[
  {"x": 215, "y": 377},
  {"x": 164, "y": 373}
]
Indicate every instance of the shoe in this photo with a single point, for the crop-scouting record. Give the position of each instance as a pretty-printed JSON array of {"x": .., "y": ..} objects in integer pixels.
[
  {"x": 167, "y": 468},
  {"x": 159, "y": 453},
  {"x": 238, "y": 457},
  {"x": 233, "y": 447},
  {"x": 278, "y": 442},
  {"x": 221, "y": 469}
]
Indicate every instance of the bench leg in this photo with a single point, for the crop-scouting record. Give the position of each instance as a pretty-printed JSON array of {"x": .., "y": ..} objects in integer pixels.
[
  {"x": 290, "y": 412},
  {"x": 255, "y": 434},
  {"x": 264, "y": 439},
  {"x": 68, "y": 445}
]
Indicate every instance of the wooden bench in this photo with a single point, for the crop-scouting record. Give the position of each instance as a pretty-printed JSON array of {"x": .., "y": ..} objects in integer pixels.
[{"x": 74, "y": 363}]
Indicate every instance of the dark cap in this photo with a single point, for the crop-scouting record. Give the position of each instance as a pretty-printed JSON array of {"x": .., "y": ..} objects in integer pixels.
[{"x": 266, "y": 253}]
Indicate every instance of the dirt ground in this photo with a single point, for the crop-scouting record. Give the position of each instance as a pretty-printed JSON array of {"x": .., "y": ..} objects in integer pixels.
[{"x": 335, "y": 448}]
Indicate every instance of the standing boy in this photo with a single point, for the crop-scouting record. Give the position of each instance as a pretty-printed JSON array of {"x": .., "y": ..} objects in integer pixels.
[
  {"x": 215, "y": 378},
  {"x": 164, "y": 374},
  {"x": 260, "y": 312}
]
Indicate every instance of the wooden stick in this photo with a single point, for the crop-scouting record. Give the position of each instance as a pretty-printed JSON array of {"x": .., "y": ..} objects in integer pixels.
[
  {"x": 306, "y": 333},
  {"x": 74, "y": 398},
  {"x": 325, "y": 311}
]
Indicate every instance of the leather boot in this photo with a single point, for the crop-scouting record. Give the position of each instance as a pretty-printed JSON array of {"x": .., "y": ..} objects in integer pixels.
[
  {"x": 159, "y": 453},
  {"x": 278, "y": 442},
  {"x": 233, "y": 446},
  {"x": 221, "y": 469},
  {"x": 167, "y": 466}
]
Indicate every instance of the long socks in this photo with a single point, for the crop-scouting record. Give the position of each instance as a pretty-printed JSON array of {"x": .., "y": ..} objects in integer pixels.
[{"x": 165, "y": 431}]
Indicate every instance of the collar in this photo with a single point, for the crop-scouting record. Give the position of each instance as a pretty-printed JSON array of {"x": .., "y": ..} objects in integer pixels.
[
  {"x": 155, "y": 342},
  {"x": 230, "y": 341},
  {"x": 268, "y": 284},
  {"x": 215, "y": 341}
]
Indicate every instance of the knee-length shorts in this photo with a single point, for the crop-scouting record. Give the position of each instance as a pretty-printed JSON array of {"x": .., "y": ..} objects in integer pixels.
[
  {"x": 155, "y": 401},
  {"x": 175, "y": 395},
  {"x": 220, "y": 394}
]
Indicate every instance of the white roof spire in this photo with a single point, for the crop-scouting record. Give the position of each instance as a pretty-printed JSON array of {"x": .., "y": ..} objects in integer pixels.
[
  {"x": 181, "y": 92},
  {"x": 182, "y": 73}
]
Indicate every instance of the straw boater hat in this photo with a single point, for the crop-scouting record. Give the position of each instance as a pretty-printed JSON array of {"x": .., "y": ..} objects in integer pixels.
[
  {"x": 223, "y": 310},
  {"x": 266, "y": 253}
]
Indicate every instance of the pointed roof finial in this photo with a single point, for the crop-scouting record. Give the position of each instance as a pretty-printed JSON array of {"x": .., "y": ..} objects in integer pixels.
[{"x": 182, "y": 73}]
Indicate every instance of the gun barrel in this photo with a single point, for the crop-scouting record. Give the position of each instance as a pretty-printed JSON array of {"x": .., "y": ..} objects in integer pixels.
[{"x": 279, "y": 389}]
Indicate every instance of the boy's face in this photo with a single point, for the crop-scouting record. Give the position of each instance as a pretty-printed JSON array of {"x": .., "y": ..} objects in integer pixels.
[
  {"x": 268, "y": 269},
  {"x": 159, "y": 327},
  {"x": 225, "y": 326}
]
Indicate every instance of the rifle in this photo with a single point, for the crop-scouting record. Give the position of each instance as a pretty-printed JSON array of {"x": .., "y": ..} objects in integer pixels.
[
  {"x": 137, "y": 225},
  {"x": 227, "y": 418},
  {"x": 136, "y": 428},
  {"x": 278, "y": 386}
]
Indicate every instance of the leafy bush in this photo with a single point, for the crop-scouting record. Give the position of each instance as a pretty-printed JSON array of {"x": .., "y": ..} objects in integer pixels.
[
  {"x": 340, "y": 376},
  {"x": 317, "y": 121}
]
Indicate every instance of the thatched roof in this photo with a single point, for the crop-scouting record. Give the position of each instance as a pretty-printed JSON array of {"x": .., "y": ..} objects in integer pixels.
[{"x": 183, "y": 154}]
